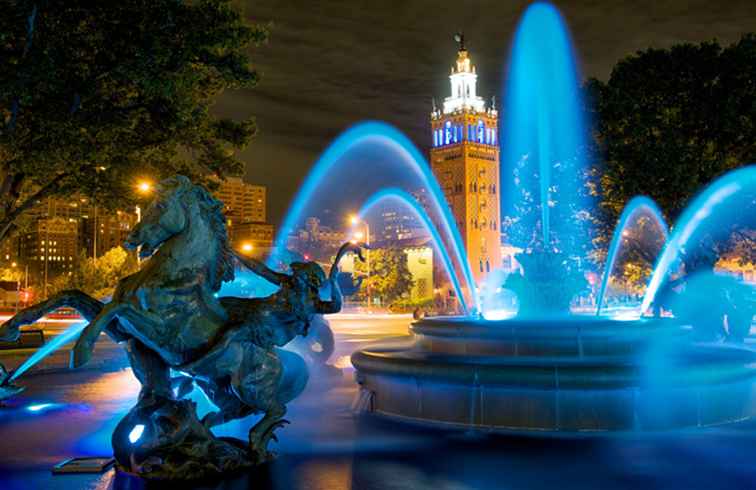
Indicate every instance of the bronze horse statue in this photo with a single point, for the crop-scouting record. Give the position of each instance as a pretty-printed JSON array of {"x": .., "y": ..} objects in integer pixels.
[{"x": 170, "y": 318}]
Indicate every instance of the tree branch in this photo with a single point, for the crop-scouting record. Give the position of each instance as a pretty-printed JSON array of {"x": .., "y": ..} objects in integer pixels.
[{"x": 46, "y": 191}]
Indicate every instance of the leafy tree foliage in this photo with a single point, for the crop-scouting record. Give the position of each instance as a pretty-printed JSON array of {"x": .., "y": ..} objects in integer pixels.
[
  {"x": 11, "y": 274},
  {"x": 98, "y": 277},
  {"x": 94, "y": 94},
  {"x": 390, "y": 278},
  {"x": 671, "y": 120}
]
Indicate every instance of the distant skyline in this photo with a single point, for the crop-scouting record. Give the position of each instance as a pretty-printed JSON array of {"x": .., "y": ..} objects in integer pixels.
[{"x": 332, "y": 63}]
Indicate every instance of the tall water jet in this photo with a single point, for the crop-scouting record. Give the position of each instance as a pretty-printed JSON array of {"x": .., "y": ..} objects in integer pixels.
[
  {"x": 718, "y": 207},
  {"x": 543, "y": 137},
  {"x": 409, "y": 201},
  {"x": 369, "y": 157},
  {"x": 552, "y": 371},
  {"x": 634, "y": 210}
]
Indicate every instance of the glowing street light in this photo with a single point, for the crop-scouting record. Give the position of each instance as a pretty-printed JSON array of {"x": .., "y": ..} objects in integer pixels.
[
  {"x": 247, "y": 247},
  {"x": 144, "y": 187}
]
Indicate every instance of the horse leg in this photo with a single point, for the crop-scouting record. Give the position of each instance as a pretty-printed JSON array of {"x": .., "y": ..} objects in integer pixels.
[
  {"x": 82, "y": 351},
  {"x": 230, "y": 407},
  {"x": 256, "y": 383},
  {"x": 151, "y": 371},
  {"x": 87, "y": 306}
]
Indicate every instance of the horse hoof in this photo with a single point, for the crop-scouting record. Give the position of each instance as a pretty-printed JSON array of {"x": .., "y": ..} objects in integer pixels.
[
  {"x": 80, "y": 356},
  {"x": 9, "y": 332}
]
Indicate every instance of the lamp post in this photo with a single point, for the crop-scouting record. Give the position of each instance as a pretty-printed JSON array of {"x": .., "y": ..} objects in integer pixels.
[
  {"x": 144, "y": 187},
  {"x": 354, "y": 220},
  {"x": 18, "y": 286}
]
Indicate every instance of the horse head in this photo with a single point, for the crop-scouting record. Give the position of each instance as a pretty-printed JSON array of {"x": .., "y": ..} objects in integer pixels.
[{"x": 178, "y": 206}]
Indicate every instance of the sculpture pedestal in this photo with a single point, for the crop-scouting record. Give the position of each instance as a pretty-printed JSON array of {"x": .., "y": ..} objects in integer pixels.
[{"x": 163, "y": 439}]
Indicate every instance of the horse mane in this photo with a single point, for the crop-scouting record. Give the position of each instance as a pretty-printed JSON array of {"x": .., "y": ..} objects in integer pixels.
[{"x": 212, "y": 211}]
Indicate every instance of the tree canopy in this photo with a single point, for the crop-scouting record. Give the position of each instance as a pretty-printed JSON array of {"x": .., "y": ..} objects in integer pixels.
[
  {"x": 97, "y": 277},
  {"x": 669, "y": 121},
  {"x": 94, "y": 95},
  {"x": 390, "y": 278}
]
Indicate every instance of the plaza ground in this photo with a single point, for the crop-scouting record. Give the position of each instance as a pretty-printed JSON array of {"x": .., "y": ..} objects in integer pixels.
[{"x": 71, "y": 413}]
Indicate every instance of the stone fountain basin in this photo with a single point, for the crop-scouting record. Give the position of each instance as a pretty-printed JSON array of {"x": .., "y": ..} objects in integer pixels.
[{"x": 576, "y": 374}]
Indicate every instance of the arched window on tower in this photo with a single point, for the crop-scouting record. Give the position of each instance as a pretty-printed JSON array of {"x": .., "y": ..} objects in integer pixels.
[
  {"x": 481, "y": 131},
  {"x": 448, "y": 133},
  {"x": 468, "y": 91},
  {"x": 488, "y": 266},
  {"x": 481, "y": 266}
]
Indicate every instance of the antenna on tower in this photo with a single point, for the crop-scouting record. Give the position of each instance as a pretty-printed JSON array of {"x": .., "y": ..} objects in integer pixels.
[{"x": 433, "y": 101}]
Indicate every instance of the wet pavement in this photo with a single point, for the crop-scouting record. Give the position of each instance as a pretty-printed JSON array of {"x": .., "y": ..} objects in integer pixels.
[{"x": 66, "y": 414}]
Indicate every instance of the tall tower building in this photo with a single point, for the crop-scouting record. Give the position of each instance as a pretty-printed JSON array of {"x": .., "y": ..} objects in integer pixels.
[{"x": 465, "y": 161}]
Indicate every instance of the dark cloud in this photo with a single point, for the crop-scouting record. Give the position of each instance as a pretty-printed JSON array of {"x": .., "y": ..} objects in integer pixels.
[{"x": 332, "y": 63}]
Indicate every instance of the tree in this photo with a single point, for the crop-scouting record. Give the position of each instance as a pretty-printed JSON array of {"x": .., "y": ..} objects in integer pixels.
[
  {"x": 669, "y": 121},
  {"x": 11, "y": 274},
  {"x": 98, "y": 277},
  {"x": 93, "y": 95},
  {"x": 390, "y": 278}
]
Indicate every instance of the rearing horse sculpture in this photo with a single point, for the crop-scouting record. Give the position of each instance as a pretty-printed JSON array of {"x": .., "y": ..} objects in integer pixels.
[{"x": 170, "y": 318}]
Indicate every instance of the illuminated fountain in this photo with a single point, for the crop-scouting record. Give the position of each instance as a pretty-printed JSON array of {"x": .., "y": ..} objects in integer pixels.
[{"x": 545, "y": 369}]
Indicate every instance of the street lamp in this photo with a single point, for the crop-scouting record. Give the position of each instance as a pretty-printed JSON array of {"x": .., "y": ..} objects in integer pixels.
[
  {"x": 143, "y": 187},
  {"x": 354, "y": 220},
  {"x": 18, "y": 286},
  {"x": 247, "y": 247}
]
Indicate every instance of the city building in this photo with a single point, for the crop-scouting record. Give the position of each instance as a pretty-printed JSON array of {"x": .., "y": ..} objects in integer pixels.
[
  {"x": 252, "y": 236},
  {"x": 419, "y": 254},
  {"x": 50, "y": 247},
  {"x": 316, "y": 241},
  {"x": 465, "y": 160},
  {"x": 243, "y": 202},
  {"x": 246, "y": 215},
  {"x": 399, "y": 225}
]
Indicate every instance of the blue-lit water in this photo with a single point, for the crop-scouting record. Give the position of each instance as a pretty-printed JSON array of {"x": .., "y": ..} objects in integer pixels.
[
  {"x": 408, "y": 201},
  {"x": 69, "y": 335},
  {"x": 543, "y": 137},
  {"x": 365, "y": 160},
  {"x": 638, "y": 208},
  {"x": 729, "y": 200}
]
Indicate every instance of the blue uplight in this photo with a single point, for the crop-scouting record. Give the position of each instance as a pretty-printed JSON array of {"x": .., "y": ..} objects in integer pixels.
[
  {"x": 136, "y": 433},
  {"x": 39, "y": 407}
]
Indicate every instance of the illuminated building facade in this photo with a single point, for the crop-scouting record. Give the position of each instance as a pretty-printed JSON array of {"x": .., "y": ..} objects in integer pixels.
[{"x": 465, "y": 160}]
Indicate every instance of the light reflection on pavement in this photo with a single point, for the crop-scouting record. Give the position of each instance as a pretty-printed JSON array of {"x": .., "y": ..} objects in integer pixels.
[{"x": 327, "y": 448}]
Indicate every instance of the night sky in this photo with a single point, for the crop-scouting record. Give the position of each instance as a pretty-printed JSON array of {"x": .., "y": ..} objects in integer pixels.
[{"x": 332, "y": 63}]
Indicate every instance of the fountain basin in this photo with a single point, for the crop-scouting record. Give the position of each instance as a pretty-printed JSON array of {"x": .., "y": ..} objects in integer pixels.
[{"x": 578, "y": 374}]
